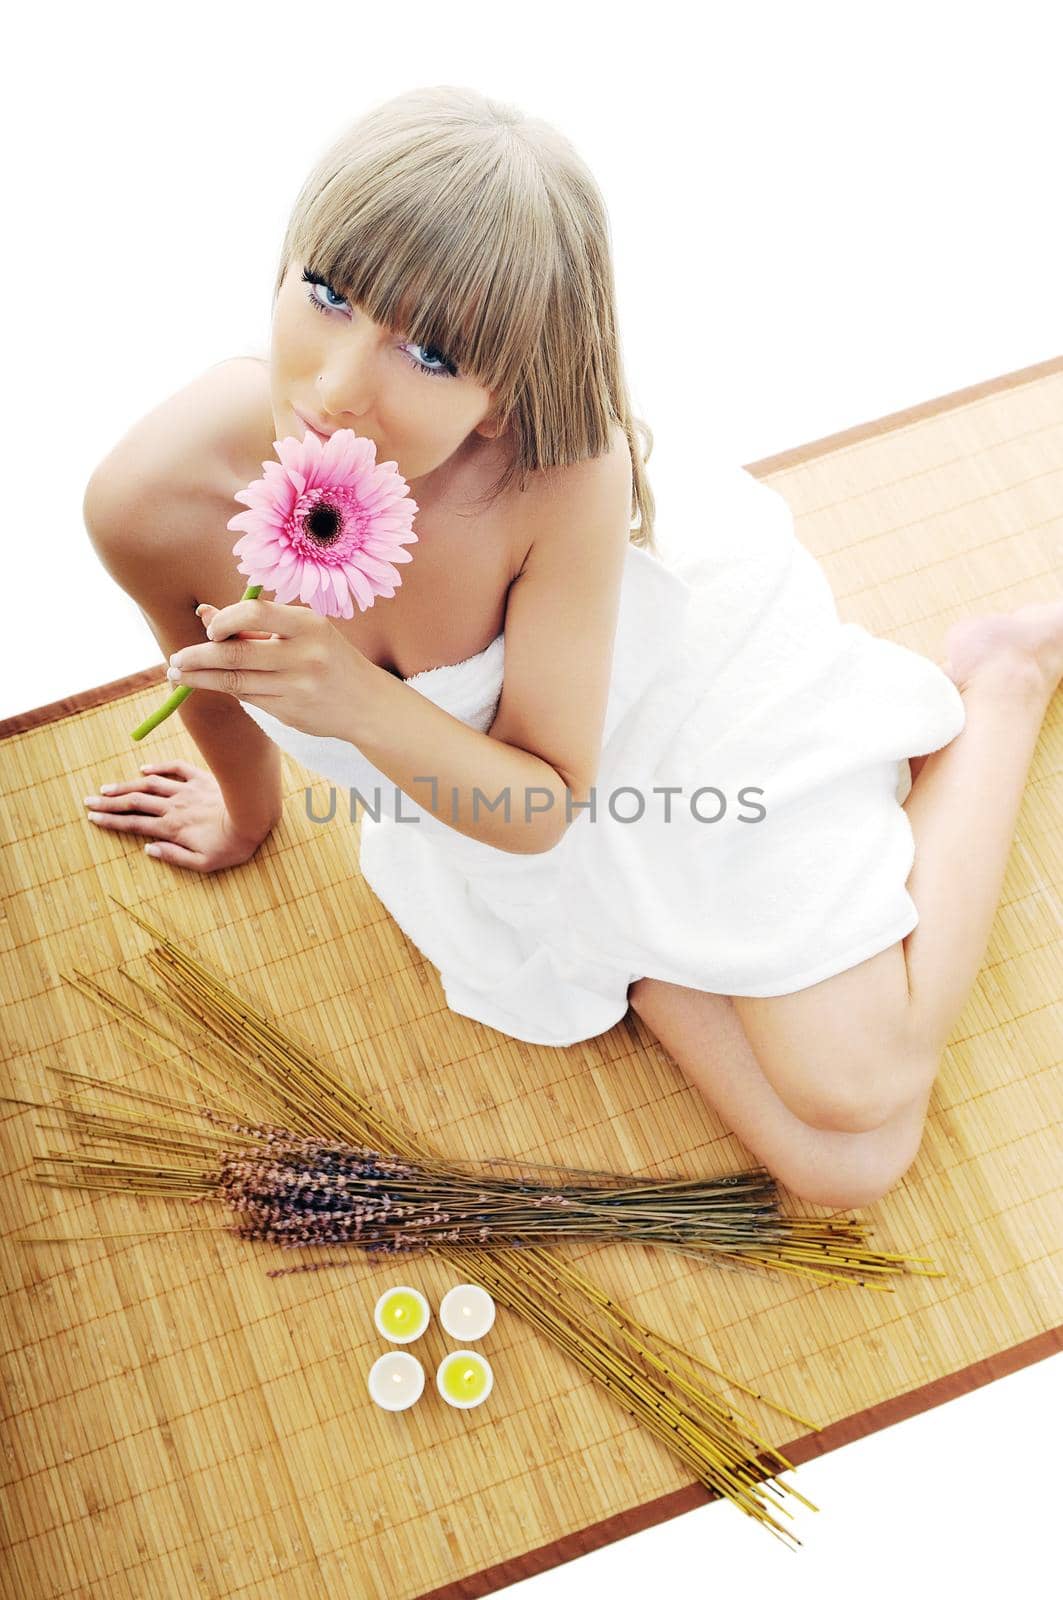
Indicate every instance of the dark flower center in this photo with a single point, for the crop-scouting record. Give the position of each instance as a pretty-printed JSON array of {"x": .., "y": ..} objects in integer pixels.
[{"x": 323, "y": 522}]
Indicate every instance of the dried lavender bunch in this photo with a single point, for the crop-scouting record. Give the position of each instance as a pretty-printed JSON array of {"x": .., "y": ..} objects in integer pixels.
[{"x": 296, "y": 1191}]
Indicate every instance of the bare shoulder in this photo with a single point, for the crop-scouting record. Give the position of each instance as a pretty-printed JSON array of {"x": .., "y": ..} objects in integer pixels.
[
  {"x": 608, "y": 469},
  {"x": 183, "y": 446},
  {"x": 151, "y": 506},
  {"x": 560, "y": 496}
]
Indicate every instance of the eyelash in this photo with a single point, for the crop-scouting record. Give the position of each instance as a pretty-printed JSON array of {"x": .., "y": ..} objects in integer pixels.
[{"x": 448, "y": 370}]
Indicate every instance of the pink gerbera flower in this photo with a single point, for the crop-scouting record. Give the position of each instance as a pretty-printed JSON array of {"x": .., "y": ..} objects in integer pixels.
[{"x": 329, "y": 521}]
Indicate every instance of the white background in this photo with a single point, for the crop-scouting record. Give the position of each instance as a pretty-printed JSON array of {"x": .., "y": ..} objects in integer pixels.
[{"x": 820, "y": 214}]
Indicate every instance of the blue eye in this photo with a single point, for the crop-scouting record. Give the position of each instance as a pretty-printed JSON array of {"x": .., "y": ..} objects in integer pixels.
[
  {"x": 446, "y": 369},
  {"x": 328, "y": 291},
  {"x": 433, "y": 353}
]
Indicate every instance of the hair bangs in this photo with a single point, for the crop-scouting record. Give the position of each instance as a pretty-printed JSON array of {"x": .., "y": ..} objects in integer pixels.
[{"x": 441, "y": 253}]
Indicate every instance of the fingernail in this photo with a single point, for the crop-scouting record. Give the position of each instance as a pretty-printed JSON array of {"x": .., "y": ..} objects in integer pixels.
[
  {"x": 108, "y": 788},
  {"x": 91, "y": 800},
  {"x": 173, "y": 673},
  {"x": 151, "y": 849}
]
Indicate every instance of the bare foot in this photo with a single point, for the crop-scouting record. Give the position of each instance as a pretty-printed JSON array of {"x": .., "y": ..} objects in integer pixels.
[{"x": 1029, "y": 638}]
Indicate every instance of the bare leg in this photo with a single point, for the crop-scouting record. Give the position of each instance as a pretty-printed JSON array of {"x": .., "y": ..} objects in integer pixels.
[
  {"x": 703, "y": 1035},
  {"x": 963, "y": 808}
]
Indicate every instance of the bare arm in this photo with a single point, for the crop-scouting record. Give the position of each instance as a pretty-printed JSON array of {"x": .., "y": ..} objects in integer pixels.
[
  {"x": 440, "y": 762},
  {"x": 245, "y": 761},
  {"x": 544, "y": 746},
  {"x": 143, "y": 535}
]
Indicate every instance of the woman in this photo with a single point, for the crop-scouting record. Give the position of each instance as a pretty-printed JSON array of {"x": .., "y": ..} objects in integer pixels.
[{"x": 445, "y": 288}]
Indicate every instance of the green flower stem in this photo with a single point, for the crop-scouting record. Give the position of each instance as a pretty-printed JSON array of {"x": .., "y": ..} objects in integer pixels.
[{"x": 170, "y": 705}]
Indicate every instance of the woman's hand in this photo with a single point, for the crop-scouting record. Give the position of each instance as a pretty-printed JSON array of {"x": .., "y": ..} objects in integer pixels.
[
  {"x": 300, "y": 669},
  {"x": 181, "y": 810}
]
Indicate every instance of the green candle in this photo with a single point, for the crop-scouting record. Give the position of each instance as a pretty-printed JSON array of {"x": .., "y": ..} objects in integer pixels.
[{"x": 169, "y": 706}]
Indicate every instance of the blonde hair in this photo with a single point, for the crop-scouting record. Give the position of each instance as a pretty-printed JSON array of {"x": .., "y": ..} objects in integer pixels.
[{"x": 463, "y": 224}]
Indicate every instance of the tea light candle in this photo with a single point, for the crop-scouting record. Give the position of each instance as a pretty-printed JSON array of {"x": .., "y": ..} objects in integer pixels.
[
  {"x": 396, "y": 1380},
  {"x": 467, "y": 1311},
  {"x": 401, "y": 1314},
  {"x": 464, "y": 1379}
]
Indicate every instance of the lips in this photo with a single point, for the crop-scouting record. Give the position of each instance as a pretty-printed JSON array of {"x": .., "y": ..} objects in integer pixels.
[{"x": 315, "y": 427}]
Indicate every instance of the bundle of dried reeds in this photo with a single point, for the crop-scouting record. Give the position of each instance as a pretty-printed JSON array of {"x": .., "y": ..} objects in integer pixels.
[{"x": 320, "y": 1165}]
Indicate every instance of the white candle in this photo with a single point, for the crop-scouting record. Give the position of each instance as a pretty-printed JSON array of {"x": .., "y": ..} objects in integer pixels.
[
  {"x": 464, "y": 1379},
  {"x": 396, "y": 1380},
  {"x": 467, "y": 1311}
]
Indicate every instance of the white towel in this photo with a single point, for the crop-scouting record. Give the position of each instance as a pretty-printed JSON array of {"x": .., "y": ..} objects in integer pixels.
[{"x": 732, "y": 672}]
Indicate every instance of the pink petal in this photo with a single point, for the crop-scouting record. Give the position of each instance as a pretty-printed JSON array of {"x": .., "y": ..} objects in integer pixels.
[
  {"x": 311, "y": 582},
  {"x": 373, "y": 568},
  {"x": 288, "y": 587},
  {"x": 339, "y": 584},
  {"x": 359, "y": 583}
]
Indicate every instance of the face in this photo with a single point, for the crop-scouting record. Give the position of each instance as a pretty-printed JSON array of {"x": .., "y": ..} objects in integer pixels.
[{"x": 329, "y": 362}]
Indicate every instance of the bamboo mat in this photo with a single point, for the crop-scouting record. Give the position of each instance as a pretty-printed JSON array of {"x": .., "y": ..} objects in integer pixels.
[{"x": 177, "y": 1423}]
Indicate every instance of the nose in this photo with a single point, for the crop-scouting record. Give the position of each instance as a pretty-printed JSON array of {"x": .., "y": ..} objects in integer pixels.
[{"x": 346, "y": 387}]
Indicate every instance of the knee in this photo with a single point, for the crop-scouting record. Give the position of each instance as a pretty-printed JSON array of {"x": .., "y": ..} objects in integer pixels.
[
  {"x": 878, "y": 1094},
  {"x": 840, "y": 1193},
  {"x": 860, "y": 1170},
  {"x": 845, "y": 1185}
]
